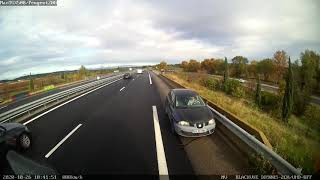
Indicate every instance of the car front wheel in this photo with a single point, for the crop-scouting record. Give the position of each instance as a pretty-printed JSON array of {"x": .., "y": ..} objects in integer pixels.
[{"x": 24, "y": 141}]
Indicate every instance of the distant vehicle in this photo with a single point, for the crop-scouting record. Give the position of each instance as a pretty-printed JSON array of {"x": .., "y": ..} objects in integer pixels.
[
  {"x": 14, "y": 135},
  {"x": 189, "y": 116},
  {"x": 130, "y": 69},
  {"x": 242, "y": 80},
  {"x": 139, "y": 71},
  {"x": 115, "y": 71},
  {"x": 98, "y": 77},
  {"x": 127, "y": 76}
]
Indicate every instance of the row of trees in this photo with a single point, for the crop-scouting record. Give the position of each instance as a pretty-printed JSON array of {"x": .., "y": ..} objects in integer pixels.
[
  {"x": 306, "y": 69},
  {"x": 235, "y": 88},
  {"x": 297, "y": 81}
]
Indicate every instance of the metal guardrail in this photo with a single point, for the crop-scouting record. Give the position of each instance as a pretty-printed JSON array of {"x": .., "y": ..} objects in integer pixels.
[
  {"x": 26, "y": 108},
  {"x": 277, "y": 161}
]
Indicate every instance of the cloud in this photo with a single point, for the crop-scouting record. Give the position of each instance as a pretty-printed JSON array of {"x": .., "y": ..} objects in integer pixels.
[{"x": 100, "y": 33}]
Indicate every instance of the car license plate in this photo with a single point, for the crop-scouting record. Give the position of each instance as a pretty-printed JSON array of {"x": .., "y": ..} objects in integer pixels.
[{"x": 199, "y": 131}]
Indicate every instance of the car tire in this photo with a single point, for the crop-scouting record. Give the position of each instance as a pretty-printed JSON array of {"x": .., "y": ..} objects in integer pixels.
[{"x": 24, "y": 141}]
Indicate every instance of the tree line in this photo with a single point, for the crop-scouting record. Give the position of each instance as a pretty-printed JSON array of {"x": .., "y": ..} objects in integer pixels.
[
  {"x": 297, "y": 80},
  {"x": 306, "y": 69}
]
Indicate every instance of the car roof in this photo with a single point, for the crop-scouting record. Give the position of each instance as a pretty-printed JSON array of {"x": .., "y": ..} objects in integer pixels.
[{"x": 183, "y": 92}]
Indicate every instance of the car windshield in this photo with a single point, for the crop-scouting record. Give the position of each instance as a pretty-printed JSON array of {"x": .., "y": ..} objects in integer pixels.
[{"x": 189, "y": 101}]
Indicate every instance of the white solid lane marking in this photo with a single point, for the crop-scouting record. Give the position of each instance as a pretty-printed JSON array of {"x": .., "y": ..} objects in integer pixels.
[
  {"x": 63, "y": 140},
  {"x": 122, "y": 88},
  {"x": 161, "y": 156},
  {"x": 150, "y": 79},
  {"x": 3, "y": 107},
  {"x": 67, "y": 102}
]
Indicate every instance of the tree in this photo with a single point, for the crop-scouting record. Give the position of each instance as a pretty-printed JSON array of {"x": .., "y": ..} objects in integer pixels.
[
  {"x": 207, "y": 65},
  {"x": 31, "y": 83},
  {"x": 252, "y": 69},
  {"x": 280, "y": 62},
  {"x": 83, "y": 71},
  {"x": 266, "y": 67},
  {"x": 162, "y": 65},
  {"x": 193, "y": 66},
  {"x": 226, "y": 71},
  {"x": 219, "y": 66},
  {"x": 288, "y": 95},
  {"x": 184, "y": 65},
  {"x": 258, "y": 92},
  {"x": 305, "y": 79},
  {"x": 240, "y": 63},
  {"x": 62, "y": 75},
  {"x": 212, "y": 66},
  {"x": 310, "y": 65}
]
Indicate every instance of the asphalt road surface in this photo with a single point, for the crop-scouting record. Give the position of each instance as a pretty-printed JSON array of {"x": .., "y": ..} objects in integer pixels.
[{"x": 122, "y": 129}]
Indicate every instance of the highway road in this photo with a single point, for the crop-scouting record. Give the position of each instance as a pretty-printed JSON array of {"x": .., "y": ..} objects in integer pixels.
[{"x": 122, "y": 129}]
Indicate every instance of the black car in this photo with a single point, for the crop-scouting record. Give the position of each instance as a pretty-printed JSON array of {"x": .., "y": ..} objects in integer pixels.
[
  {"x": 14, "y": 135},
  {"x": 189, "y": 115},
  {"x": 127, "y": 76}
]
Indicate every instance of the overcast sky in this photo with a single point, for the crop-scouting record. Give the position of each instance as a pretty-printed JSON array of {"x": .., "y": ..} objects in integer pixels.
[{"x": 100, "y": 33}]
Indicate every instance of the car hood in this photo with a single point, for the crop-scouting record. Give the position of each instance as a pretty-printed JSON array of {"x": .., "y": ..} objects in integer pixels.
[
  {"x": 10, "y": 126},
  {"x": 194, "y": 115}
]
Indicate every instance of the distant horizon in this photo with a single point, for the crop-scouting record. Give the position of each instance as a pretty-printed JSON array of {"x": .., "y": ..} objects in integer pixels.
[{"x": 110, "y": 67}]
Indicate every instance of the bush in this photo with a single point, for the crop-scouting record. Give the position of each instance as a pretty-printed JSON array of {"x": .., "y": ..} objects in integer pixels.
[
  {"x": 210, "y": 83},
  {"x": 300, "y": 100},
  {"x": 269, "y": 100},
  {"x": 234, "y": 88},
  {"x": 312, "y": 116}
]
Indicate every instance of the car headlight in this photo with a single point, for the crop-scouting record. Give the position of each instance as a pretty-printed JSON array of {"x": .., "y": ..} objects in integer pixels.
[
  {"x": 183, "y": 123},
  {"x": 211, "y": 121}
]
